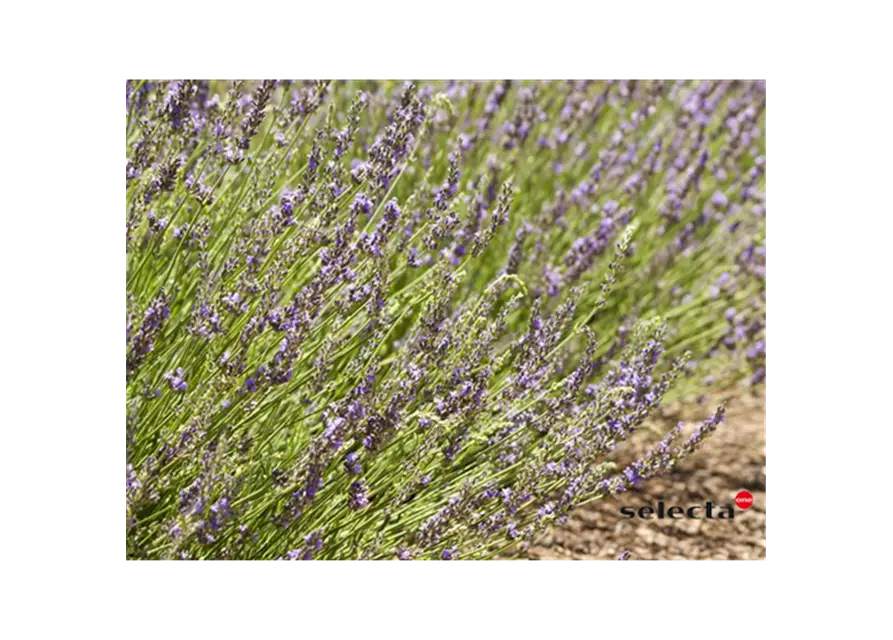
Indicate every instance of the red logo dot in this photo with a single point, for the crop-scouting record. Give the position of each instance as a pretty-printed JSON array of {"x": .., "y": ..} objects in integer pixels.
[{"x": 744, "y": 500}]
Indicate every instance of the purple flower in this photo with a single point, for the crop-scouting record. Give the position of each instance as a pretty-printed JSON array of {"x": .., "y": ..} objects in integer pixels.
[
  {"x": 176, "y": 379},
  {"x": 362, "y": 204},
  {"x": 758, "y": 376},
  {"x": 357, "y": 496},
  {"x": 352, "y": 464},
  {"x": 143, "y": 341},
  {"x": 391, "y": 211},
  {"x": 632, "y": 474}
]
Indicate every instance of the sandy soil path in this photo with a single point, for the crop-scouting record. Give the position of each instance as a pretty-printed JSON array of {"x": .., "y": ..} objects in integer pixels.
[{"x": 732, "y": 460}]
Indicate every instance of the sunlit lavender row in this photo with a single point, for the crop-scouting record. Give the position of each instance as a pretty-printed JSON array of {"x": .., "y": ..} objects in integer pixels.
[{"x": 420, "y": 320}]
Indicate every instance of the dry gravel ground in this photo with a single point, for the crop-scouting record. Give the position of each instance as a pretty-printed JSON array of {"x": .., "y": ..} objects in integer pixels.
[{"x": 734, "y": 458}]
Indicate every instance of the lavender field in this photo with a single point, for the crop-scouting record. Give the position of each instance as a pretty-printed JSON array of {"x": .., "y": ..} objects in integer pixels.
[{"x": 438, "y": 320}]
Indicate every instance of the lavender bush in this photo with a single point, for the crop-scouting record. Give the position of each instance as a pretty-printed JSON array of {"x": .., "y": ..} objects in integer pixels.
[{"x": 391, "y": 320}]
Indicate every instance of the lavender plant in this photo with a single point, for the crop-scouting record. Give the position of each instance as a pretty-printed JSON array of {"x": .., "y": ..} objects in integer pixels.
[{"x": 418, "y": 320}]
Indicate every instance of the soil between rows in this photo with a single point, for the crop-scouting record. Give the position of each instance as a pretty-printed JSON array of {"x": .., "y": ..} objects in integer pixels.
[{"x": 734, "y": 458}]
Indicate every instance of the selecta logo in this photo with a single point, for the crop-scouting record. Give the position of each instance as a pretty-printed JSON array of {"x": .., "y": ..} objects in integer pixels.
[{"x": 710, "y": 511}]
